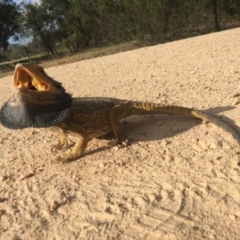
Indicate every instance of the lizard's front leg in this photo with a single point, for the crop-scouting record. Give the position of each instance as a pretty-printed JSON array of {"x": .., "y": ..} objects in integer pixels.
[
  {"x": 62, "y": 141},
  {"x": 79, "y": 147}
]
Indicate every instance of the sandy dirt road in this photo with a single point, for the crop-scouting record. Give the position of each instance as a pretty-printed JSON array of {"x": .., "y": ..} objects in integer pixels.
[{"x": 179, "y": 179}]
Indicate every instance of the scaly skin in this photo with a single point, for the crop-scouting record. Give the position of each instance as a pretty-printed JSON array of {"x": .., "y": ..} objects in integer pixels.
[{"x": 89, "y": 118}]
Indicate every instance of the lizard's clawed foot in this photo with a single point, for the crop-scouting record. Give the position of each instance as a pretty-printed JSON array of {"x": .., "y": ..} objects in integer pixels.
[
  {"x": 60, "y": 145},
  {"x": 66, "y": 157},
  {"x": 117, "y": 141}
]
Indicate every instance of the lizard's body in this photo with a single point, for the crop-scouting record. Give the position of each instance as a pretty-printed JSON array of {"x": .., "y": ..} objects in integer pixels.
[{"x": 85, "y": 118}]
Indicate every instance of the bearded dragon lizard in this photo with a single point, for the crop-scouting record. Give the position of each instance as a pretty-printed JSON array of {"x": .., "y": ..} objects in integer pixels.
[{"x": 40, "y": 101}]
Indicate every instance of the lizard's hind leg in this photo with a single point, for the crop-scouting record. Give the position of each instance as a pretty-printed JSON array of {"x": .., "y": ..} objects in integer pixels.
[{"x": 114, "y": 116}]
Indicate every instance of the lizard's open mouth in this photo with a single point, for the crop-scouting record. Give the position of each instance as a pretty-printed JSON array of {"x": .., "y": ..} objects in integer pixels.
[
  {"x": 32, "y": 77},
  {"x": 24, "y": 79}
]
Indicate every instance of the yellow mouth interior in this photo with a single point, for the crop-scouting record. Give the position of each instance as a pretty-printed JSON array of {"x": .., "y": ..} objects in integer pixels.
[{"x": 24, "y": 79}]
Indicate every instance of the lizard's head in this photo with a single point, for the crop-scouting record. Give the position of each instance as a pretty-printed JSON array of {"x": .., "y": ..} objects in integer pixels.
[
  {"x": 33, "y": 77},
  {"x": 38, "y": 100}
]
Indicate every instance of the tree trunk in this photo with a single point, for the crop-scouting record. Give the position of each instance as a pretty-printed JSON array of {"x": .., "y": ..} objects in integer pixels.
[{"x": 216, "y": 24}]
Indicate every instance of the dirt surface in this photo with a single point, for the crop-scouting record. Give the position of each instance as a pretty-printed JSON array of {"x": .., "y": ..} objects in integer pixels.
[{"x": 179, "y": 179}]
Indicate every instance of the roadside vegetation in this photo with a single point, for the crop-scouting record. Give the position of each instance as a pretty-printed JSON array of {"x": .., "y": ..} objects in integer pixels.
[{"x": 54, "y": 32}]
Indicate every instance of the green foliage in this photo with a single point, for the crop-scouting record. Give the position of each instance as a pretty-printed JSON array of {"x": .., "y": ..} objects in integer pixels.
[
  {"x": 8, "y": 22},
  {"x": 55, "y": 25},
  {"x": 16, "y": 52}
]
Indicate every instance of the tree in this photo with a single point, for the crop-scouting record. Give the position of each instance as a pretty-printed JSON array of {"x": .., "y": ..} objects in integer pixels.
[
  {"x": 8, "y": 22},
  {"x": 40, "y": 24},
  {"x": 215, "y": 13},
  {"x": 77, "y": 24}
]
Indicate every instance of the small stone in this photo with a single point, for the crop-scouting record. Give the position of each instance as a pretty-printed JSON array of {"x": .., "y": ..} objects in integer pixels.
[
  {"x": 101, "y": 165},
  {"x": 194, "y": 140},
  {"x": 4, "y": 178},
  {"x": 55, "y": 205},
  {"x": 64, "y": 198},
  {"x": 116, "y": 148},
  {"x": 237, "y": 214},
  {"x": 27, "y": 176},
  {"x": 216, "y": 144},
  {"x": 236, "y": 95},
  {"x": 125, "y": 143},
  {"x": 34, "y": 132}
]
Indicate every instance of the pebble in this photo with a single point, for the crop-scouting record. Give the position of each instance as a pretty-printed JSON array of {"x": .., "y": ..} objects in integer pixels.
[
  {"x": 216, "y": 144},
  {"x": 116, "y": 148},
  {"x": 4, "y": 178},
  {"x": 27, "y": 176},
  {"x": 55, "y": 205},
  {"x": 101, "y": 165}
]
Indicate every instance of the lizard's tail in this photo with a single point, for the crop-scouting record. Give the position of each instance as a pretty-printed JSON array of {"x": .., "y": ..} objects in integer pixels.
[{"x": 142, "y": 108}]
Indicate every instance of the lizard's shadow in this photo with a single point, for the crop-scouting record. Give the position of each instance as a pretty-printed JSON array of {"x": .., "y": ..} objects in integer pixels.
[{"x": 160, "y": 126}]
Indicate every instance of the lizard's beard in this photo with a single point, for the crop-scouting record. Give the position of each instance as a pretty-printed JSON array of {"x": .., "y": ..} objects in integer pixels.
[{"x": 28, "y": 108}]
